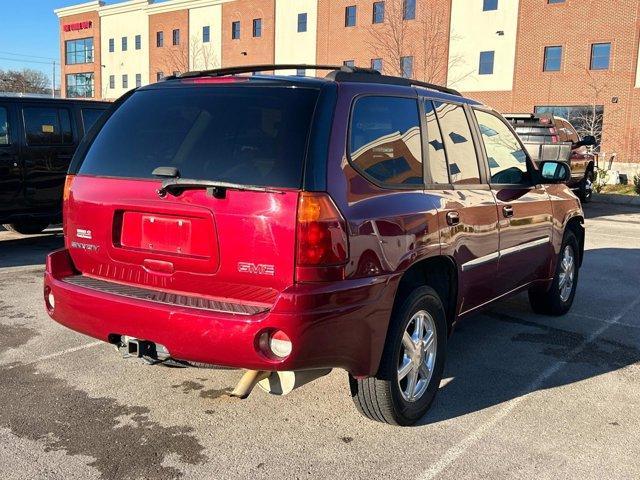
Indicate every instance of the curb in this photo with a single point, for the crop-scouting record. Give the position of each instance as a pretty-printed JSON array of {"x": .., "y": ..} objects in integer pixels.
[{"x": 616, "y": 199}]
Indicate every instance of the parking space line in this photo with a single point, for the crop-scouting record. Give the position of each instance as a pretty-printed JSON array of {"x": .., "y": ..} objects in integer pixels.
[
  {"x": 455, "y": 452},
  {"x": 610, "y": 322},
  {"x": 57, "y": 354}
]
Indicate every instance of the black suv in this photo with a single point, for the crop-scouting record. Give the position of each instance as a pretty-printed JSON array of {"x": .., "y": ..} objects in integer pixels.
[{"x": 38, "y": 137}]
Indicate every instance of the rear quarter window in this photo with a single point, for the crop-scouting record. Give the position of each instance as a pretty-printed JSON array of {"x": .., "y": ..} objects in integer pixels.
[
  {"x": 250, "y": 135},
  {"x": 385, "y": 142}
]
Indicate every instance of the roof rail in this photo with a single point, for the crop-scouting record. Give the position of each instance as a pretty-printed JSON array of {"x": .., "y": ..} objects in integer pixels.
[
  {"x": 220, "y": 72},
  {"x": 338, "y": 73}
]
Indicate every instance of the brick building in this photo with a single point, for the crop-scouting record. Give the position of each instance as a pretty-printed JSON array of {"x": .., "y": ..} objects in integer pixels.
[{"x": 577, "y": 58}]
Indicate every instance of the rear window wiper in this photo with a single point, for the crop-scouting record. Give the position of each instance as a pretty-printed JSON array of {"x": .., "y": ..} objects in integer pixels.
[{"x": 175, "y": 186}]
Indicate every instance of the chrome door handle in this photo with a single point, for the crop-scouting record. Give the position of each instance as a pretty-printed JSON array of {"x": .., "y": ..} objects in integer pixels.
[
  {"x": 507, "y": 211},
  {"x": 453, "y": 219}
]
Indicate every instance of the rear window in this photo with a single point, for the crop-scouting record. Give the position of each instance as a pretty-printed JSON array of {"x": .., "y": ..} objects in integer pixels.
[
  {"x": 90, "y": 116},
  {"x": 250, "y": 135}
]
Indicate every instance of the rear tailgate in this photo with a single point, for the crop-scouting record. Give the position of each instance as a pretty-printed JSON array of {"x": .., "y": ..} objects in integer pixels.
[{"x": 238, "y": 246}]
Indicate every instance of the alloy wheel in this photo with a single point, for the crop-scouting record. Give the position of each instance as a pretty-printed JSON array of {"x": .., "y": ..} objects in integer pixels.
[
  {"x": 567, "y": 273},
  {"x": 417, "y": 356}
]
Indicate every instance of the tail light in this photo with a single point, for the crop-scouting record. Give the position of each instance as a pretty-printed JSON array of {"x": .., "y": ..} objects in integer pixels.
[
  {"x": 322, "y": 245},
  {"x": 66, "y": 193},
  {"x": 554, "y": 135}
]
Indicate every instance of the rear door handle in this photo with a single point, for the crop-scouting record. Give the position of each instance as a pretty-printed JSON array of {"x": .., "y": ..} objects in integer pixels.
[
  {"x": 507, "y": 210},
  {"x": 453, "y": 219}
]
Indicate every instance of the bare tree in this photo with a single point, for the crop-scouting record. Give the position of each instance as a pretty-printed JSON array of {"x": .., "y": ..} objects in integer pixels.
[
  {"x": 24, "y": 81},
  {"x": 388, "y": 40},
  {"x": 428, "y": 40},
  {"x": 591, "y": 120},
  {"x": 196, "y": 55}
]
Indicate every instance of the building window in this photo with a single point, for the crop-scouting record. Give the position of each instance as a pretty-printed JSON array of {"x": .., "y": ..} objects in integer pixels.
[
  {"x": 349, "y": 63},
  {"x": 600, "y": 56},
  {"x": 552, "y": 59},
  {"x": 112, "y": 45},
  {"x": 112, "y": 82},
  {"x": 79, "y": 51},
  {"x": 376, "y": 64},
  {"x": 406, "y": 66},
  {"x": 489, "y": 5},
  {"x": 257, "y": 27},
  {"x": 409, "y": 10},
  {"x": 206, "y": 34},
  {"x": 350, "y": 16},
  {"x": 176, "y": 36},
  {"x": 486, "y": 63},
  {"x": 124, "y": 44},
  {"x": 378, "y": 12},
  {"x": 555, "y": 1},
  {"x": 4, "y": 127},
  {"x": 159, "y": 39},
  {"x": 302, "y": 22},
  {"x": 138, "y": 41},
  {"x": 301, "y": 72},
  {"x": 138, "y": 80},
  {"x": 125, "y": 81},
  {"x": 235, "y": 30},
  {"x": 159, "y": 76},
  {"x": 80, "y": 85}
]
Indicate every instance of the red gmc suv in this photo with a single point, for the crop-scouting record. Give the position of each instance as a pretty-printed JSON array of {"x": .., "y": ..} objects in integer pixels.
[{"x": 289, "y": 225}]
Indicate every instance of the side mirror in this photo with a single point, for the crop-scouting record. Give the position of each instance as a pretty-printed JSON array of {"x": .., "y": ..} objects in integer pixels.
[
  {"x": 587, "y": 141},
  {"x": 555, "y": 172}
]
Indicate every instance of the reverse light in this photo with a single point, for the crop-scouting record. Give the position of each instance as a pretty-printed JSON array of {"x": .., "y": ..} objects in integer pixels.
[
  {"x": 276, "y": 344},
  {"x": 322, "y": 245}
]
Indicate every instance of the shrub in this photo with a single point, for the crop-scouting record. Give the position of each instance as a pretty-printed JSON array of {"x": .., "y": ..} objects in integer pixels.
[
  {"x": 602, "y": 176},
  {"x": 636, "y": 183}
]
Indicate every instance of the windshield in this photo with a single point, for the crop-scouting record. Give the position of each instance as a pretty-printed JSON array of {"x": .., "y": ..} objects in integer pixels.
[{"x": 250, "y": 135}]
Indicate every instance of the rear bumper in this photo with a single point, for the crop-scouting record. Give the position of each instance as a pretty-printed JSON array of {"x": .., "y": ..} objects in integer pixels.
[{"x": 335, "y": 325}]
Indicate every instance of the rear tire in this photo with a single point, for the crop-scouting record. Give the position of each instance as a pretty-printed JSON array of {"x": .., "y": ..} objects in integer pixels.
[
  {"x": 411, "y": 366},
  {"x": 557, "y": 300},
  {"x": 585, "y": 191},
  {"x": 27, "y": 227}
]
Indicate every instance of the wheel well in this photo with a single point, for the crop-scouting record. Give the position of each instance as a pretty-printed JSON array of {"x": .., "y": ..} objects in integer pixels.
[
  {"x": 439, "y": 273},
  {"x": 576, "y": 226}
]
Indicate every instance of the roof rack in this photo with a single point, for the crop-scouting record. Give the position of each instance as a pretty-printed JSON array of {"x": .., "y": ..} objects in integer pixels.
[{"x": 338, "y": 73}]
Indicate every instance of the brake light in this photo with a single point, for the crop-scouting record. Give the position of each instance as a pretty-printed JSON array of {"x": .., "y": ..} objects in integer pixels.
[
  {"x": 322, "y": 245},
  {"x": 68, "y": 182},
  {"x": 66, "y": 193},
  {"x": 554, "y": 139}
]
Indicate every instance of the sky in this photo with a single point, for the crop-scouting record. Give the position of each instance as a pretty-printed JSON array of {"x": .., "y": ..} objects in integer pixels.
[{"x": 29, "y": 34}]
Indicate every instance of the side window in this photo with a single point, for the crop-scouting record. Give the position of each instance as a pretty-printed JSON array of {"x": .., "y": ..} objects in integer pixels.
[
  {"x": 89, "y": 117},
  {"x": 47, "y": 126},
  {"x": 385, "y": 141},
  {"x": 506, "y": 157},
  {"x": 436, "y": 157},
  {"x": 4, "y": 126},
  {"x": 458, "y": 142}
]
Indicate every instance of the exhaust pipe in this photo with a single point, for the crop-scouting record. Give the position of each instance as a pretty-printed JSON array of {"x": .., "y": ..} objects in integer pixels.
[
  {"x": 275, "y": 383},
  {"x": 283, "y": 383}
]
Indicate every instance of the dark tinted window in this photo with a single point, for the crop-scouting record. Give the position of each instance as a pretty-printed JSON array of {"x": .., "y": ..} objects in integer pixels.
[
  {"x": 463, "y": 163},
  {"x": 90, "y": 116},
  {"x": 4, "y": 126},
  {"x": 436, "y": 157},
  {"x": 47, "y": 126},
  {"x": 242, "y": 134},
  {"x": 506, "y": 157},
  {"x": 385, "y": 140}
]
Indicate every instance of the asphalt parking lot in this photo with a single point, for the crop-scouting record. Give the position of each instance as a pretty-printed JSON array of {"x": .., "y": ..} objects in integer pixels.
[{"x": 525, "y": 396}]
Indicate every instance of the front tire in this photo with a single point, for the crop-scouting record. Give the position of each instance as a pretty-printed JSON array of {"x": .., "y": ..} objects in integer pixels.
[
  {"x": 27, "y": 227},
  {"x": 412, "y": 363},
  {"x": 557, "y": 300},
  {"x": 585, "y": 191}
]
